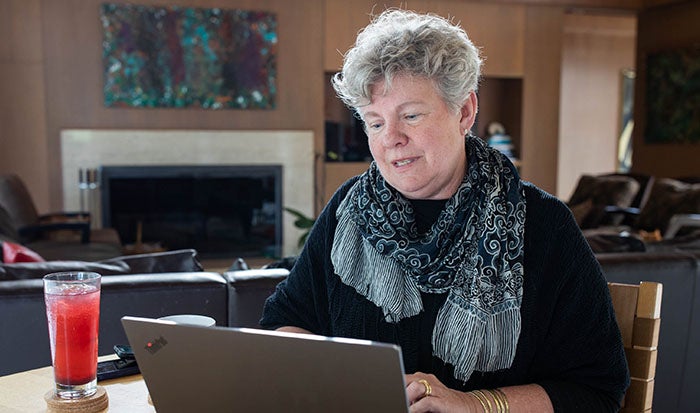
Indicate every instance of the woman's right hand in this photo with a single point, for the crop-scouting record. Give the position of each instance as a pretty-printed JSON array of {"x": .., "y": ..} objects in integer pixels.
[{"x": 426, "y": 393}]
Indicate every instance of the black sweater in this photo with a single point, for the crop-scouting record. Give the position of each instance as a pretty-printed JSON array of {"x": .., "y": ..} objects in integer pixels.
[{"x": 569, "y": 342}]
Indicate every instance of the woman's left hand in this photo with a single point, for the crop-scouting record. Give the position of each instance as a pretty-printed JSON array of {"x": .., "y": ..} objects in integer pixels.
[{"x": 435, "y": 396}]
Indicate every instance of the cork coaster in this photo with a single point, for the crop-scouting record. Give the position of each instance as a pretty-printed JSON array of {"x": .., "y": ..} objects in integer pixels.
[{"x": 98, "y": 402}]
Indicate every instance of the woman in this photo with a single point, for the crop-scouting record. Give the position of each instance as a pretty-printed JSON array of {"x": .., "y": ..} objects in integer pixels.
[{"x": 484, "y": 281}]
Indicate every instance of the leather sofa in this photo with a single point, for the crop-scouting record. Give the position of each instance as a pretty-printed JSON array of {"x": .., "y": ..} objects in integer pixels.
[
  {"x": 236, "y": 298},
  {"x": 24, "y": 341},
  {"x": 248, "y": 290},
  {"x": 233, "y": 299},
  {"x": 678, "y": 362}
]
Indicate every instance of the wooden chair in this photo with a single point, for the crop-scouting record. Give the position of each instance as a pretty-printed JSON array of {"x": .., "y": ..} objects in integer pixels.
[{"x": 638, "y": 313}]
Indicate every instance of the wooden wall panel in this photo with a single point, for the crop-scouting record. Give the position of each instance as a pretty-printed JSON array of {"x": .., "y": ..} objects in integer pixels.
[
  {"x": 20, "y": 30},
  {"x": 343, "y": 20},
  {"x": 502, "y": 43},
  {"x": 518, "y": 42},
  {"x": 72, "y": 39},
  {"x": 338, "y": 172},
  {"x": 663, "y": 28},
  {"x": 543, "y": 37},
  {"x": 595, "y": 51},
  {"x": 519, "y": 39},
  {"x": 23, "y": 148},
  {"x": 497, "y": 29}
]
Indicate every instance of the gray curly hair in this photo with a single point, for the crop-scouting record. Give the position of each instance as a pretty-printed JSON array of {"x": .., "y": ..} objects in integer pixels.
[{"x": 404, "y": 42}]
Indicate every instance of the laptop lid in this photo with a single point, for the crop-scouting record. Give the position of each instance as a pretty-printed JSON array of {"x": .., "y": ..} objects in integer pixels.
[{"x": 212, "y": 369}]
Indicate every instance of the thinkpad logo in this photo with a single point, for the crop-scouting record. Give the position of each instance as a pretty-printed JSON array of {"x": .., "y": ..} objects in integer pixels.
[{"x": 154, "y": 345}]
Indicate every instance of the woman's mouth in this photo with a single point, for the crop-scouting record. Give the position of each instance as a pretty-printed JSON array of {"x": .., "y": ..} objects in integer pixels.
[{"x": 403, "y": 162}]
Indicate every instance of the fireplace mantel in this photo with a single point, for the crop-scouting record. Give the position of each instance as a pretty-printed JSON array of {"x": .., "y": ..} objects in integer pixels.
[{"x": 293, "y": 150}]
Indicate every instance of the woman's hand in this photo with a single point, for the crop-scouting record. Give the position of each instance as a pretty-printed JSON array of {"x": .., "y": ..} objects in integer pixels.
[{"x": 435, "y": 396}]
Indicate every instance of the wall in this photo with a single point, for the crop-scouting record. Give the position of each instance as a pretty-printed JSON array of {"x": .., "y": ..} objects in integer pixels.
[
  {"x": 502, "y": 44},
  {"x": 518, "y": 41},
  {"x": 50, "y": 77},
  {"x": 292, "y": 150},
  {"x": 595, "y": 50},
  {"x": 663, "y": 28},
  {"x": 23, "y": 146},
  {"x": 540, "y": 131},
  {"x": 72, "y": 83}
]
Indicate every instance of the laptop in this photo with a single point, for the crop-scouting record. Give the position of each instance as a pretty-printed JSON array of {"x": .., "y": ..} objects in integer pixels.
[{"x": 219, "y": 369}]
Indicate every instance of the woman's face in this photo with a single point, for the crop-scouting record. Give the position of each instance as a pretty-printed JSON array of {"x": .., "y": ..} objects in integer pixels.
[{"x": 416, "y": 140}]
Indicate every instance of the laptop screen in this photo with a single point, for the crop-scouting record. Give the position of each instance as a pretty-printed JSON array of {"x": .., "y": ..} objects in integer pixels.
[{"x": 193, "y": 368}]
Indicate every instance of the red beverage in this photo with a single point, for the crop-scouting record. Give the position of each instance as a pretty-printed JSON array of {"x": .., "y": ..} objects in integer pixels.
[{"x": 73, "y": 312}]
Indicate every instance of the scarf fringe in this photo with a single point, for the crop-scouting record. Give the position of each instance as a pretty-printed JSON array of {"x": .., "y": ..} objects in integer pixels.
[
  {"x": 376, "y": 277},
  {"x": 470, "y": 339},
  {"x": 474, "y": 330}
]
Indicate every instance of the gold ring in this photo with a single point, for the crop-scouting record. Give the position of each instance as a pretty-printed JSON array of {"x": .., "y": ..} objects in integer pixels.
[{"x": 428, "y": 388}]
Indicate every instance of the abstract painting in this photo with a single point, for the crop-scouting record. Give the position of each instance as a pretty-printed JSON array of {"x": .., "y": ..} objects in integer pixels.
[
  {"x": 177, "y": 57},
  {"x": 673, "y": 96}
]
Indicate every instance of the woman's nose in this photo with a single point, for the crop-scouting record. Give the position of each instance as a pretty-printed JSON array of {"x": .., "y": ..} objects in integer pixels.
[{"x": 393, "y": 135}]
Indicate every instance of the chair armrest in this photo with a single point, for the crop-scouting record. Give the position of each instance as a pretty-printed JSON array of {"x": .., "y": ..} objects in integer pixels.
[
  {"x": 679, "y": 221},
  {"x": 30, "y": 232},
  {"x": 628, "y": 211},
  {"x": 72, "y": 216},
  {"x": 616, "y": 215}
]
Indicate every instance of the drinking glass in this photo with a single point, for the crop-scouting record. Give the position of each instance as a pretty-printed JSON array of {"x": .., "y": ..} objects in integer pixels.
[{"x": 73, "y": 313}]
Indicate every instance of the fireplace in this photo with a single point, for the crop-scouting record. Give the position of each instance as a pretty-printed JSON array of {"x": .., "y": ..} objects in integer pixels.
[
  {"x": 221, "y": 211},
  {"x": 290, "y": 151}
]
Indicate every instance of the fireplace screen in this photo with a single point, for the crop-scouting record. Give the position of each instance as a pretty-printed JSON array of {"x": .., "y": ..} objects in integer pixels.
[{"x": 221, "y": 211}]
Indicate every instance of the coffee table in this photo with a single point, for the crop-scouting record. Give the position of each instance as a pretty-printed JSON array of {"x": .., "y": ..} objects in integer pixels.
[{"x": 24, "y": 392}]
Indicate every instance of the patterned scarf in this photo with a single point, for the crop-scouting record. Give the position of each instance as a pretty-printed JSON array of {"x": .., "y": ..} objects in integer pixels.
[{"x": 474, "y": 251}]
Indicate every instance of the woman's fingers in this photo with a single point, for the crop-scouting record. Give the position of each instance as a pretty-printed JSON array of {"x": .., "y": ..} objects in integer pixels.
[
  {"x": 415, "y": 391},
  {"x": 426, "y": 393}
]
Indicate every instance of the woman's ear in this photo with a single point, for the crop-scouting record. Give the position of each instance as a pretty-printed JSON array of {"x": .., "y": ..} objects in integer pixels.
[{"x": 468, "y": 111}]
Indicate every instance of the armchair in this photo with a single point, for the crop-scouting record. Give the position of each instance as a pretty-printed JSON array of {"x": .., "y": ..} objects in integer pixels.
[
  {"x": 18, "y": 203},
  {"x": 615, "y": 214},
  {"x": 669, "y": 198},
  {"x": 61, "y": 235},
  {"x": 604, "y": 199},
  {"x": 669, "y": 219},
  {"x": 680, "y": 221}
]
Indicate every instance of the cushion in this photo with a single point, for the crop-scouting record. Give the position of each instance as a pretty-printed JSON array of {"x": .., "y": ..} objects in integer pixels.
[
  {"x": 184, "y": 260},
  {"x": 12, "y": 252},
  {"x": 74, "y": 251},
  {"x": 602, "y": 191},
  {"x": 668, "y": 197},
  {"x": 170, "y": 261},
  {"x": 31, "y": 270}
]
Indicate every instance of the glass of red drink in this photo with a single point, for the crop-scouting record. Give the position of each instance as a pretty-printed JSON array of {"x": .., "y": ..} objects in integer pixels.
[{"x": 73, "y": 312}]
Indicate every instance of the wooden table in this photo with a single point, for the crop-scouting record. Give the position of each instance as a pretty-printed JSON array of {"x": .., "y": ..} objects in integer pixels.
[{"x": 24, "y": 392}]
